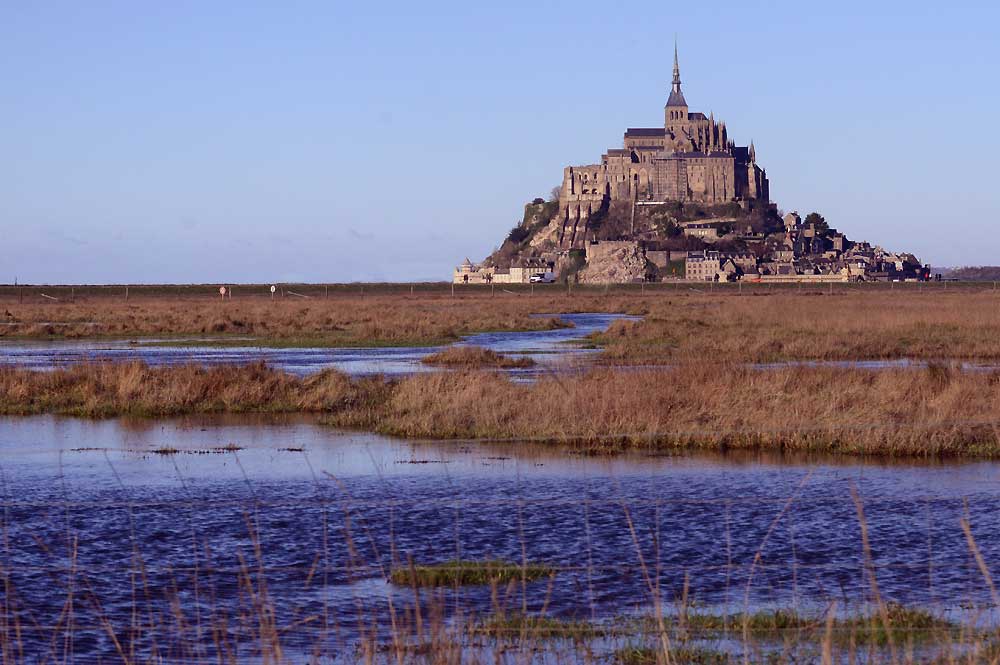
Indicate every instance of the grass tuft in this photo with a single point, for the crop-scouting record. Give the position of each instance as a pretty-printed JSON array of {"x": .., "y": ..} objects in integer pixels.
[
  {"x": 475, "y": 357},
  {"x": 518, "y": 626},
  {"x": 685, "y": 655},
  {"x": 468, "y": 573}
]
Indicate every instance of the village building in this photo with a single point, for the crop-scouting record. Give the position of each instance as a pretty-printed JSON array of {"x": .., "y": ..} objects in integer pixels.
[
  {"x": 703, "y": 266},
  {"x": 706, "y": 231},
  {"x": 520, "y": 273}
]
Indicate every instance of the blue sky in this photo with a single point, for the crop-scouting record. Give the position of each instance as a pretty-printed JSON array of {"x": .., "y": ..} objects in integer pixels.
[{"x": 341, "y": 141}]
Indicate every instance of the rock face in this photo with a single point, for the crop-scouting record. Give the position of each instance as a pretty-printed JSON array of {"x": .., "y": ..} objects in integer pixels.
[{"x": 614, "y": 261}]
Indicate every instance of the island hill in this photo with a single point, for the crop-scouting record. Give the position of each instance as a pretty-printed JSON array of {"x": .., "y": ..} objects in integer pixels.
[{"x": 681, "y": 201}]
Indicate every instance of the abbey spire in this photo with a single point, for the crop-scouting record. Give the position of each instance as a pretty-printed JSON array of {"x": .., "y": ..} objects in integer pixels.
[
  {"x": 676, "y": 96},
  {"x": 677, "y": 70}
]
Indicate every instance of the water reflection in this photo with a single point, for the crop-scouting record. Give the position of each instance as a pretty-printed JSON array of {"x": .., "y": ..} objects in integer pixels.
[{"x": 323, "y": 515}]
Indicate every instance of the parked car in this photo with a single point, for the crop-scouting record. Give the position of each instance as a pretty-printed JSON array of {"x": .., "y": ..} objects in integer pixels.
[{"x": 543, "y": 278}]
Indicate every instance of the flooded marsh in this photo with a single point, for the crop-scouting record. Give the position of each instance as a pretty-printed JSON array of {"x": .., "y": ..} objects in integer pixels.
[{"x": 257, "y": 533}]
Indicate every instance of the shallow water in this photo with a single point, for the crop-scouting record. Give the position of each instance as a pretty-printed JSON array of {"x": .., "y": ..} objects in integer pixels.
[
  {"x": 551, "y": 349},
  {"x": 320, "y": 516}
]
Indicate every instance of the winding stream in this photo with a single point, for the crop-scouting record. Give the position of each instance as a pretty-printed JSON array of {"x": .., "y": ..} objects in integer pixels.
[{"x": 551, "y": 349}]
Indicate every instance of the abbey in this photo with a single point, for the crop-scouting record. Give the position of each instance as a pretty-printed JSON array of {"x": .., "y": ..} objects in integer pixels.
[{"x": 689, "y": 159}]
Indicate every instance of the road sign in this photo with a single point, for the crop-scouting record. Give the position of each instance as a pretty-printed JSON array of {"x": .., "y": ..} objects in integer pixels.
[{"x": 222, "y": 290}]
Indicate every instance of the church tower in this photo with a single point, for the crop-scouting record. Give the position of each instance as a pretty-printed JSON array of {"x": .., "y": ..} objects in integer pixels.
[{"x": 675, "y": 113}]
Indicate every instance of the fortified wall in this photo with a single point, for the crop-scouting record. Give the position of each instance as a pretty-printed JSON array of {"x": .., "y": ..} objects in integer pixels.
[{"x": 691, "y": 158}]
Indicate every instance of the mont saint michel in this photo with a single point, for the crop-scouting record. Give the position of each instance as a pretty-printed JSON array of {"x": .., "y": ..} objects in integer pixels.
[{"x": 678, "y": 201}]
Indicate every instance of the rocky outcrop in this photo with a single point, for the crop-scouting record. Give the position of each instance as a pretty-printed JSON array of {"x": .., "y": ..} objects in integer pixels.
[{"x": 622, "y": 261}]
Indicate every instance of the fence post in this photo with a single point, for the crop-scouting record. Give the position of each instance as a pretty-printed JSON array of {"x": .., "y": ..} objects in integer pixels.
[{"x": 126, "y": 294}]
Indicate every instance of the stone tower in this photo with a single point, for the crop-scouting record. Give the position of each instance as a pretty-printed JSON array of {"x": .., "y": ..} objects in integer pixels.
[
  {"x": 675, "y": 113},
  {"x": 689, "y": 158}
]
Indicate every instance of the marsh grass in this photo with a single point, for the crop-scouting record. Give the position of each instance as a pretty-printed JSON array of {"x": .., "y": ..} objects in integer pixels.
[
  {"x": 821, "y": 409},
  {"x": 135, "y": 389},
  {"x": 679, "y": 324},
  {"x": 788, "y": 326},
  {"x": 905, "y": 623},
  {"x": 343, "y": 321},
  {"x": 475, "y": 357},
  {"x": 521, "y": 626},
  {"x": 687, "y": 655},
  {"x": 900, "y": 412},
  {"x": 468, "y": 573}
]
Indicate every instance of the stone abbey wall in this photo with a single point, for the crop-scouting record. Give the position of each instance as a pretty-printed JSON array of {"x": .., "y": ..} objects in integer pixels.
[{"x": 690, "y": 158}]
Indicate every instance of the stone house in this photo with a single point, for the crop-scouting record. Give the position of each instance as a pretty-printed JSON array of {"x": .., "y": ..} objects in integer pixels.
[
  {"x": 702, "y": 266},
  {"x": 705, "y": 231}
]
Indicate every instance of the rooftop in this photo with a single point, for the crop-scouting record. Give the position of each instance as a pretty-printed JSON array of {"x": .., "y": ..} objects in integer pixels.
[{"x": 644, "y": 131}]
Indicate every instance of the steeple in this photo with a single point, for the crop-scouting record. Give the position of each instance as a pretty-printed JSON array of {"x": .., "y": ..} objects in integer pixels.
[
  {"x": 676, "y": 96},
  {"x": 677, "y": 70}
]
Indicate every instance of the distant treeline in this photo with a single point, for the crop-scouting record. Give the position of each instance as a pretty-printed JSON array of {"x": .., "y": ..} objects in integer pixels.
[{"x": 972, "y": 273}]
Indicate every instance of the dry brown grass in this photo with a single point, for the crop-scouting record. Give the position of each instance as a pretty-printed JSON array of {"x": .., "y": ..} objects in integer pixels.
[
  {"x": 903, "y": 412},
  {"x": 934, "y": 412},
  {"x": 682, "y": 323},
  {"x": 475, "y": 357},
  {"x": 114, "y": 389},
  {"x": 854, "y": 325},
  {"x": 342, "y": 321}
]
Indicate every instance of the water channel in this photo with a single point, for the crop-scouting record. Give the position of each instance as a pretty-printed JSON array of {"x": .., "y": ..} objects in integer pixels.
[
  {"x": 137, "y": 532},
  {"x": 210, "y": 508},
  {"x": 555, "y": 349}
]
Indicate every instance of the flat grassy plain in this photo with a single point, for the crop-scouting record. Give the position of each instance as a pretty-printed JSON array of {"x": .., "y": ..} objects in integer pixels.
[
  {"x": 686, "y": 375},
  {"x": 682, "y": 321}
]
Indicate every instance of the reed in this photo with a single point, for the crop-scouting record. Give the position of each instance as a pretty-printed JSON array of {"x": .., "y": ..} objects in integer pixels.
[
  {"x": 934, "y": 412},
  {"x": 133, "y": 388},
  {"x": 218, "y": 613}
]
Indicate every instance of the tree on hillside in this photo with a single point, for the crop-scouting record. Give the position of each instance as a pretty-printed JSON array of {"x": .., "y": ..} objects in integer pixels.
[{"x": 817, "y": 220}]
